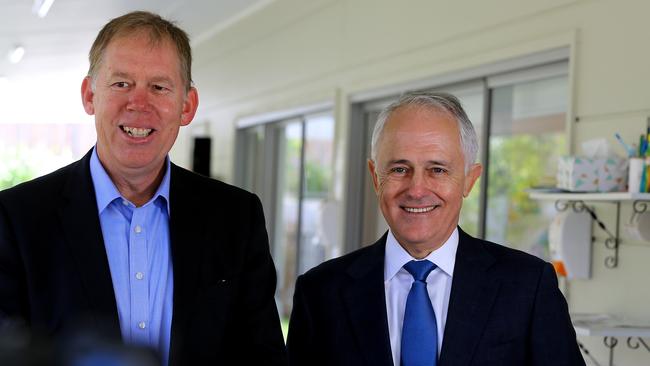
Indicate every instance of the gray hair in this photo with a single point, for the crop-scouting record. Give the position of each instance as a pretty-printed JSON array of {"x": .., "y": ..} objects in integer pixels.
[{"x": 440, "y": 101}]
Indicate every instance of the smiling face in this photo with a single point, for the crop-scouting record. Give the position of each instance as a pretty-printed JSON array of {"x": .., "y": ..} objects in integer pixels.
[
  {"x": 419, "y": 177},
  {"x": 139, "y": 101}
]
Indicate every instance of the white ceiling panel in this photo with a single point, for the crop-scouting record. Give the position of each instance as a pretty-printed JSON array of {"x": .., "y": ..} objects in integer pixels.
[{"x": 61, "y": 40}]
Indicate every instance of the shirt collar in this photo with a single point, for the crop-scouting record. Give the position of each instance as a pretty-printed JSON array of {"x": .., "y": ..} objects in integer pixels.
[
  {"x": 106, "y": 192},
  {"x": 396, "y": 256}
]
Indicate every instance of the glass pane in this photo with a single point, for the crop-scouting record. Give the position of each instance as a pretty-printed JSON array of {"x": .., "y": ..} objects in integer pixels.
[
  {"x": 285, "y": 219},
  {"x": 253, "y": 140},
  {"x": 472, "y": 102},
  {"x": 374, "y": 224},
  {"x": 319, "y": 227},
  {"x": 527, "y": 135}
]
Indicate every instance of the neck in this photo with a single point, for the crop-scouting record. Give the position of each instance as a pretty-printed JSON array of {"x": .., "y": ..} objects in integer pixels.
[
  {"x": 138, "y": 190},
  {"x": 135, "y": 185},
  {"x": 420, "y": 250}
]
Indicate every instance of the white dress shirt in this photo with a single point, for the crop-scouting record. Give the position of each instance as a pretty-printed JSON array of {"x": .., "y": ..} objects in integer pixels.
[{"x": 397, "y": 283}]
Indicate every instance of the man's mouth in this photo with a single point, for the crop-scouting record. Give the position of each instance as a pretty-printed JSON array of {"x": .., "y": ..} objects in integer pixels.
[
  {"x": 137, "y": 132},
  {"x": 419, "y": 209}
]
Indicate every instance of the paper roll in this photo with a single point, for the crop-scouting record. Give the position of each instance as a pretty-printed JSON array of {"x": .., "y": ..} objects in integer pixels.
[{"x": 637, "y": 167}]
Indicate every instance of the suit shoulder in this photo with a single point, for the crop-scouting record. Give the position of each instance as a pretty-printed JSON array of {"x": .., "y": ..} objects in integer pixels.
[
  {"x": 511, "y": 254},
  {"x": 209, "y": 187},
  {"x": 511, "y": 261},
  {"x": 338, "y": 267}
]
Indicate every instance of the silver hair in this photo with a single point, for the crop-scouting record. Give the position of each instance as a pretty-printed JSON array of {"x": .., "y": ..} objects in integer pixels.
[{"x": 439, "y": 101}]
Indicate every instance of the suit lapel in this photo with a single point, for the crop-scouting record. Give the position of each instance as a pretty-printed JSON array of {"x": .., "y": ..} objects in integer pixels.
[
  {"x": 83, "y": 235},
  {"x": 472, "y": 296},
  {"x": 365, "y": 300},
  {"x": 186, "y": 225}
]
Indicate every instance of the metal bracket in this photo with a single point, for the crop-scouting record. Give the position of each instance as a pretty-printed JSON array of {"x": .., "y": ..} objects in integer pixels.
[
  {"x": 632, "y": 343},
  {"x": 640, "y": 206},
  {"x": 612, "y": 242},
  {"x": 636, "y": 342},
  {"x": 610, "y": 342}
]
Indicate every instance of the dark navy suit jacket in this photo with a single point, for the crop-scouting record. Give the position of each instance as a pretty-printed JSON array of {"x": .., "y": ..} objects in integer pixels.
[
  {"x": 505, "y": 308},
  {"x": 54, "y": 272}
]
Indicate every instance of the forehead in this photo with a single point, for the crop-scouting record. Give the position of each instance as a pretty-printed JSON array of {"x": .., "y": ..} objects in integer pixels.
[
  {"x": 140, "y": 49},
  {"x": 420, "y": 126},
  {"x": 420, "y": 135}
]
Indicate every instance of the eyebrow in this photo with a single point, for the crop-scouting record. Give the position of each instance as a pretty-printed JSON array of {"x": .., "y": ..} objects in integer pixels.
[
  {"x": 155, "y": 79},
  {"x": 406, "y": 161},
  {"x": 119, "y": 74}
]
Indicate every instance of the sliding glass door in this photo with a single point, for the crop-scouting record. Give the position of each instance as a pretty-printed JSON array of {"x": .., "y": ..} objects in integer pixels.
[{"x": 292, "y": 172}]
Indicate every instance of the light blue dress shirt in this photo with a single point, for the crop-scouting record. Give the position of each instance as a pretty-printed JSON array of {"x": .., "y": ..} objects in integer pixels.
[{"x": 138, "y": 249}]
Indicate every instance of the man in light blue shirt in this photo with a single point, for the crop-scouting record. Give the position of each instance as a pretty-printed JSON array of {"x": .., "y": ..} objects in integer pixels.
[
  {"x": 130, "y": 245},
  {"x": 137, "y": 246}
]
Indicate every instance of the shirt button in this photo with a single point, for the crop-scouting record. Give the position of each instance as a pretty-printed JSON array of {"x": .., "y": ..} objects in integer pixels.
[
  {"x": 125, "y": 202},
  {"x": 139, "y": 275},
  {"x": 142, "y": 325},
  {"x": 138, "y": 229}
]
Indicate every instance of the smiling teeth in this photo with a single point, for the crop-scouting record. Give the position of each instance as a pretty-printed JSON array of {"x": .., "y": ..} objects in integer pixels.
[
  {"x": 137, "y": 132},
  {"x": 419, "y": 210}
]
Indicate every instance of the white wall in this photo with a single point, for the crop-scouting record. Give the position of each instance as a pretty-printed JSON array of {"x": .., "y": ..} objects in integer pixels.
[{"x": 294, "y": 52}]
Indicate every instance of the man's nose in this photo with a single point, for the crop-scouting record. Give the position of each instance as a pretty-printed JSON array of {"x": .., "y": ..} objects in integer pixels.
[
  {"x": 139, "y": 99},
  {"x": 418, "y": 185}
]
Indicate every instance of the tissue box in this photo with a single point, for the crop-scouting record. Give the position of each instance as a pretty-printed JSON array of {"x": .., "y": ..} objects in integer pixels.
[
  {"x": 582, "y": 174},
  {"x": 612, "y": 174}
]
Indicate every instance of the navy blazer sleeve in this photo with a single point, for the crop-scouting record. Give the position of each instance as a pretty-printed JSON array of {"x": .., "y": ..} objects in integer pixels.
[
  {"x": 261, "y": 342},
  {"x": 552, "y": 338},
  {"x": 300, "y": 341}
]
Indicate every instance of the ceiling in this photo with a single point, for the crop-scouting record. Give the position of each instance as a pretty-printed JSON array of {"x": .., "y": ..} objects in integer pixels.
[{"x": 60, "y": 41}]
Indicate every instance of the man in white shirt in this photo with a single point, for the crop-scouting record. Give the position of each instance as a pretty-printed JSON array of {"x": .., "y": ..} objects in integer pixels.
[{"x": 427, "y": 293}]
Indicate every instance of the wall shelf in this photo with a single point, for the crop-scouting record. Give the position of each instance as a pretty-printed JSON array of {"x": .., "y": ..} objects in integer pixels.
[
  {"x": 591, "y": 197},
  {"x": 611, "y": 330},
  {"x": 576, "y": 201}
]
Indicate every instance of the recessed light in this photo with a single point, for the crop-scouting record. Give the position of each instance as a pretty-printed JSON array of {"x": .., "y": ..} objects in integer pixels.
[
  {"x": 16, "y": 54},
  {"x": 41, "y": 7}
]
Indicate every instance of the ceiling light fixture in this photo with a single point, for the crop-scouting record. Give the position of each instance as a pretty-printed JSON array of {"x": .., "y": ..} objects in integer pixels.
[
  {"x": 16, "y": 54},
  {"x": 41, "y": 7}
]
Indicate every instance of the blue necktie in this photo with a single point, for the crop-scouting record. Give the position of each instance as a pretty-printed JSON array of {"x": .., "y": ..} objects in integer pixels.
[{"x": 419, "y": 330}]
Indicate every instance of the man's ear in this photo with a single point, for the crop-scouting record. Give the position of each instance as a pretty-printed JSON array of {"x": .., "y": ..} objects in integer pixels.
[
  {"x": 190, "y": 104},
  {"x": 87, "y": 95},
  {"x": 471, "y": 177},
  {"x": 373, "y": 174}
]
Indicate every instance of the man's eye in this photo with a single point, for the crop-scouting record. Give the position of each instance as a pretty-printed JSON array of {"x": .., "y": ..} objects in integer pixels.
[
  {"x": 159, "y": 88},
  {"x": 439, "y": 170},
  {"x": 399, "y": 170},
  {"x": 121, "y": 84}
]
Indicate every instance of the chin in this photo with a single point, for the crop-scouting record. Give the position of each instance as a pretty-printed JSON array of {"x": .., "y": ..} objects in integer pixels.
[{"x": 416, "y": 239}]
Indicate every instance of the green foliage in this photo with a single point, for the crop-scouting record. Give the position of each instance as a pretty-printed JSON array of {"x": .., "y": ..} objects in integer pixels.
[
  {"x": 516, "y": 164},
  {"x": 469, "y": 213},
  {"x": 317, "y": 179},
  {"x": 14, "y": 169}
]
